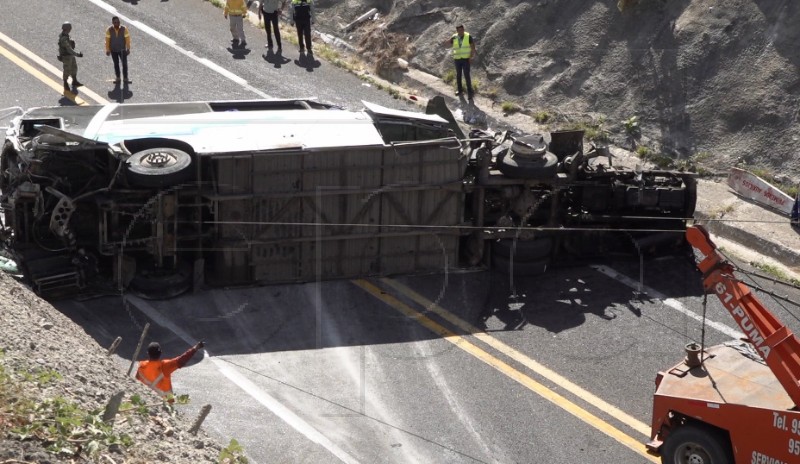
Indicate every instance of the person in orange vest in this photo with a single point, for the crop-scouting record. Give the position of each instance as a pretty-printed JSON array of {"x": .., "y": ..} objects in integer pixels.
[{"x": 156, "y": 373}]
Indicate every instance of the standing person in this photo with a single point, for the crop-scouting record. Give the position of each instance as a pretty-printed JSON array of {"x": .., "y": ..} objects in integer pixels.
[
  {"x": 272, "y": 9},
  {"x": 236, "y": 11},
  {"x": 157, "y": 373},
  {"x": 67, "y": 55},
  {"x": 303, "y": 18},
  {"x": 118, "y": 45},
  {"x": 463, "y": 45}
]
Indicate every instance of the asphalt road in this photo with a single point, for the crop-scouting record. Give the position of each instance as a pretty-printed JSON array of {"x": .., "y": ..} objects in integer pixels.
[{"x": 459, "y": 367}]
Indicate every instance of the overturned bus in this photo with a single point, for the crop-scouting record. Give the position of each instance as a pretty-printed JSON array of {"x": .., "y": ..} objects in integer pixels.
[{"x": 161, "y": 198}]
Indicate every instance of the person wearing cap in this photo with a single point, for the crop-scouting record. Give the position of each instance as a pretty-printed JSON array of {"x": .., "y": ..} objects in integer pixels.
[
  {"x": 157, "y": 373},
  {"x": 118, "y": 45},
  {"x": 463, "y": 46},
  {"x": 67, "y": 55}
]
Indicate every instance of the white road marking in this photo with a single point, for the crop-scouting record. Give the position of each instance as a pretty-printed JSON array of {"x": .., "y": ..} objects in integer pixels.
[
  {"x": 171, "y": 43},
  {"x": 248, "y": 387},
  {"x": 671, "y": 302}
]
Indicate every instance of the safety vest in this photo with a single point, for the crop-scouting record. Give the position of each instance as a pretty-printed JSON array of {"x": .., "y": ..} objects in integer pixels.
[
  {"x": 464, "y": 51},
  {"x": 156, "y": 375},
  {"x": 235, "y": 7},
  {"x": 117, "y": 40}
]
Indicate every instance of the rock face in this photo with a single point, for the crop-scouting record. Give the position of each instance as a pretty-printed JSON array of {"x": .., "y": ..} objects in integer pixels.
[{"x": 714, "y": 77}]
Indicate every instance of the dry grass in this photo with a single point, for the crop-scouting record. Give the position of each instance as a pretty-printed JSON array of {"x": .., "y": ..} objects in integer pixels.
[{"x": 382, "y": 49}]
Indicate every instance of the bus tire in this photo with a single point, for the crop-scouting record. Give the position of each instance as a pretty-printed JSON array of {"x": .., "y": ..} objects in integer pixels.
[{"x": 524, "y": 250}]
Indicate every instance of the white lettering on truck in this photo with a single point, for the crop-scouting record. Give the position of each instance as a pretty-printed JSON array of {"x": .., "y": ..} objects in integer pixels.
[
  {"x": 741, "y": 318},
  {"x": 759, "y": 458}
]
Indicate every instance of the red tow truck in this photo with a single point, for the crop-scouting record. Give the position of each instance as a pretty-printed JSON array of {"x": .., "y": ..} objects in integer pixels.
[{"x": 736, "y": 402}]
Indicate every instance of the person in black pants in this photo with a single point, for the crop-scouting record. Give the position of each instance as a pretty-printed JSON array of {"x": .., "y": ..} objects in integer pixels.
[
  {"x": 271, "y": 10},
  {"x": 303, "y": 18}
]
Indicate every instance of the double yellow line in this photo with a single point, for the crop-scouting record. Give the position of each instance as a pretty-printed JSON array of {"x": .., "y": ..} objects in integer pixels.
[
  {"x": 55, "y": 84},
  {"x": 461, "y": 342}
]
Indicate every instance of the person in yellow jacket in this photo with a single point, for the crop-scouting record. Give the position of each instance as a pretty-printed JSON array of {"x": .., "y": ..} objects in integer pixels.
[
  {"x": 463, "y": 46},
  {"x": 236, "y": 12},
  {"x": 157, "y": 373},
  {"x": 118, "y": 45}
]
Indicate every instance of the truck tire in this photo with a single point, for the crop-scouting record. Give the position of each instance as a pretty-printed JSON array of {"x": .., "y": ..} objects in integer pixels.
[
  {"x": 525, "y": 250},
  {"x": 503, "y": 265},
  {"x": 521, "y": 167},
  {"x": 161, "y": 284},
  {"x": 159, "y": 167},
  {"x": 696, "y": 444}
]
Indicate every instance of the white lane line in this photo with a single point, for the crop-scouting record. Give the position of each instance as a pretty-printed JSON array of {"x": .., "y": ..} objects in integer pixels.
[
  {"x": 281, "y": 411},
  {"x": 671, "y": 302},
  {"x": 171, "y": 43}
]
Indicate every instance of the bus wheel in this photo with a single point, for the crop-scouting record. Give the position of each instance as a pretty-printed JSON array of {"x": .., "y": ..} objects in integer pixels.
[
  {"x": 695, "y": 444},
  {"x": 159, "y": 167}
]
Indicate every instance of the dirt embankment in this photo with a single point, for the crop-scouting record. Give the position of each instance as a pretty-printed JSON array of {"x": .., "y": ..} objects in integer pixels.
[
  {"x": 715, "y": 78},
  {"x": 55, "y": 382}
]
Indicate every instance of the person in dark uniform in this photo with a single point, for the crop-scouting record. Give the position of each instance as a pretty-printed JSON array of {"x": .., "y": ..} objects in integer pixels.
[
  {"x": 303, "y": 18},
  {"x": 67, "y": 55}
]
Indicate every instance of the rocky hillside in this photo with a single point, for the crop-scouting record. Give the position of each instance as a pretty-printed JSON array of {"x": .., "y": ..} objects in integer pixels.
[{"x": 714, "y": 79}]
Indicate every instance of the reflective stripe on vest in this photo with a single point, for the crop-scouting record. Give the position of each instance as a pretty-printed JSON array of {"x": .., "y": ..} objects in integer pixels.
[
  {"x": 465, "y": 50},
  {"x": 160, "y": 381}
]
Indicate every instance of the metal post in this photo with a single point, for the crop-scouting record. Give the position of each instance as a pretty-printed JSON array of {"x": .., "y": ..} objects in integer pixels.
[
  {"x": 114, "y": 346},
  {"x": 200, "y": 418},
  {"x": 113, "y": 407},
  {"x": 138, "y": 347}
]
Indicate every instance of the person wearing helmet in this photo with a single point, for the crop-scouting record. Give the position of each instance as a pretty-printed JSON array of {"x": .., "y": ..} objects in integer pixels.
[{"x": 67, "y": 55}]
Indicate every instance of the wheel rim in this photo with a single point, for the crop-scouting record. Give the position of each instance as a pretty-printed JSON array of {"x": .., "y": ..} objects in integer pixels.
[
  {"x": 158, "y": 160},
  {"x": 692, "y": 453}
]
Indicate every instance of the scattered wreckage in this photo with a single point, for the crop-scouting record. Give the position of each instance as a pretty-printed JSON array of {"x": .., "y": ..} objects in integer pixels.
[{"x": 161, "y": 198}]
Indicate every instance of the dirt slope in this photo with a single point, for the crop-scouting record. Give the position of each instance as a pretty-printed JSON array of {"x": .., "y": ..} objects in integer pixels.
[
  {"x": 53, "y": 375},
  {"x": 717, "y": 77}
]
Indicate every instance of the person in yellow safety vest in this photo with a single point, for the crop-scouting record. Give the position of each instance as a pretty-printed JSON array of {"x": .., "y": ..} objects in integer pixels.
[
  {"x": 118, "y": 45},
  {"x": 157, "y": 373},
  {"x": 236, "y": 11},
  {"x": 463, "y": 46}
]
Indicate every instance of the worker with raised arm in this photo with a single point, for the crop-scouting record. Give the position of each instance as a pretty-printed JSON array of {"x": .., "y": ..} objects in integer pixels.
[{"x": 157, "y": 373}]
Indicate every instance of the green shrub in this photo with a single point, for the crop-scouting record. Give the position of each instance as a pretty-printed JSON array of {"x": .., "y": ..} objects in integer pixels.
[
  {"x": 632, "y": 126},
  {"x": 509, "y": 107},
  {"x": 541, "y": 117},
  {"x": 449, "y": 77}
]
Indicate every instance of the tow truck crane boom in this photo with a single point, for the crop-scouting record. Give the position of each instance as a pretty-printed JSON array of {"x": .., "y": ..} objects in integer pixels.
[
  {"x": 776, "y": 344},
  {"x": 737, "y": 403}
]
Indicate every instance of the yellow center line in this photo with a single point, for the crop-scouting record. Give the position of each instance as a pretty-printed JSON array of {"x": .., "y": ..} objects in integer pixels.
[
  {"x": 509, "y": 371},
  {"x": 523, "y": 359},
  {"x": 55, "y": 84}
]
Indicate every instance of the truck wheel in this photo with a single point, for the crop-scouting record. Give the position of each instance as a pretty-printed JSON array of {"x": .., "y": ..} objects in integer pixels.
[
  {"x": 525, "y": 250},
  {"x": 160, "y": 284},
  {"x": 159, "y": 167},
  {"x": 694, "y": 444},
  {"x": 503, "y": 265},
  {"x": 522, "y": 167}
]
